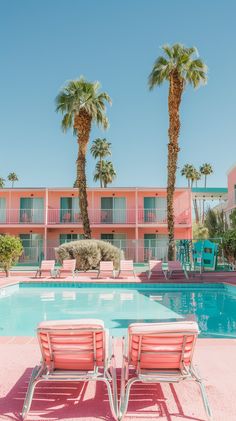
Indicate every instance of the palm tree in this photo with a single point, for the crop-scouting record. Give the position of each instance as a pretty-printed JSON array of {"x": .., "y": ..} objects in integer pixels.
[
  {"x": 82, "y": 104},
  {"x": 12, "y": 177},
  {"x": 187, "y": 171},
  {"x": 179, "y": 68},
  {"x": 100, "y": 149},
  {"x": 2, "y": 182},
  {"x": 108, "y": 173},
  {"x": 196, "y": 176},
  {"x": 205, "y": 169}
]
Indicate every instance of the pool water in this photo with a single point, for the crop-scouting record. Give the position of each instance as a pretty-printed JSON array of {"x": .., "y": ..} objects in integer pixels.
[{"x": 213, "y": 306}]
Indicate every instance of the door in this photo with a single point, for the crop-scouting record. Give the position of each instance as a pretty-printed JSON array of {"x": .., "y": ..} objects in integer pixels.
[
  {"x": 33, "y": 248},
  {"x": 2, "y": 210},
  {"x": 37, "y": 210},
  {"x": 155, "y": 247},
  {"x": 106, "y": 210},
  {"x": 119, "y": 210}
]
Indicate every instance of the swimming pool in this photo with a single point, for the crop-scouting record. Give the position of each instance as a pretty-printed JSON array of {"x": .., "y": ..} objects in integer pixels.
[{"x": 213, "y": 306}]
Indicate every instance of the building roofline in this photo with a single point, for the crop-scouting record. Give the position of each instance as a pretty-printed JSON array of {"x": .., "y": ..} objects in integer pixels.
[{"x": 12, "y": 189}]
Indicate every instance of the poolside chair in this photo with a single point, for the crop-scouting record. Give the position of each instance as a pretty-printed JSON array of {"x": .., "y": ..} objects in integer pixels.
[
  {"x": 106, "y": 267},
  {"x": 155, "y": 267},
  {"x": 126, "y": 266},
  {"x": 159, "y": 352},
  {"x": 68, "y": 268},
  {"x": 74, "y": 351},
  {"x": 175, "y": 266},
  {"x": 47, "y": 267}
]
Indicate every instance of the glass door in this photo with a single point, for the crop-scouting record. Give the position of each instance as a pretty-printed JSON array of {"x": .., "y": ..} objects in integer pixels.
[
  {"x": 119, "y": 210},
  {"x": 2, "y": 210},
  {"x": 106, "y": 210}
]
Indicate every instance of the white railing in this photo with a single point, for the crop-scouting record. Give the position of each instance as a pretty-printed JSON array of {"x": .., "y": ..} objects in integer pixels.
[{"x": 22, "y": 216}]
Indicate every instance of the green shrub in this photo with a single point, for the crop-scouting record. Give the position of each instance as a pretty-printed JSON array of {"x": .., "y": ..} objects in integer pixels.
[
  {"x": 89, "y": 253},
  {"x": 229, "y": 245},
  {"x": 10, "y": 250}
]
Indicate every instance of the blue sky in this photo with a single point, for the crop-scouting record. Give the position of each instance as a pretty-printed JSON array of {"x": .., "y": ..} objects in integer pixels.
[{"x": 45, "y": 43}]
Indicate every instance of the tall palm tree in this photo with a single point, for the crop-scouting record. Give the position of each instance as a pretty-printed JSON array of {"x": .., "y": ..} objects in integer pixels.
[
  {"x": 179, "y": 68},
  {"x": 196, "y": 176},
  {"x": 12, "y": 177},
  {"x": 82, "y": 104},
  {"x": 187, "y": 171},
  {"x": 205, "y": 169},
  {"x": 107, "y": 173},
  {"x": 2, "y": 182},
  {"x": 100, "y": 149}
]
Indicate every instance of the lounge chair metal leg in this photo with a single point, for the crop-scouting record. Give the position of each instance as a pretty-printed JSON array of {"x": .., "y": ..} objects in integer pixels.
[
  {"x": 124, "y": 402},
  {"x": 30, "y": 391},
  {"x": 203, "y": 392}
]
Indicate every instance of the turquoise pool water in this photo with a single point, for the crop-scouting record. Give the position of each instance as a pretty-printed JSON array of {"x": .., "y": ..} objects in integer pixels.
[{"x": 213, "y": 306}]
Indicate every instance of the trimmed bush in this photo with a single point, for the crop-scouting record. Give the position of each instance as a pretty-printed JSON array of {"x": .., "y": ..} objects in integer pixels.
[
  {"x": 89, "y": 253},
  {"x": 10, "y": 250}
]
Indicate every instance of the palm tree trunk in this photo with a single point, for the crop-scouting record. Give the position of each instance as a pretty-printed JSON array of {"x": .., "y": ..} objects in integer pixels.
[
  {"x": 203, "y": 203},
  {"x": 82, "y": 123},
  {"x": 174, "y": 99},
  {"x": 100, "y": 175}
]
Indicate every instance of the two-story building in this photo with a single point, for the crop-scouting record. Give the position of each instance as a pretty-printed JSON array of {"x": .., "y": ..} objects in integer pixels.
[{"x": 134, "y": 219}]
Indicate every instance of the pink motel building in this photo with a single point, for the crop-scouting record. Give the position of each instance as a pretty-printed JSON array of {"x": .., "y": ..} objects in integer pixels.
[
  {"x": 134, "y": 219},
  {"x": 231, "y": 202}
]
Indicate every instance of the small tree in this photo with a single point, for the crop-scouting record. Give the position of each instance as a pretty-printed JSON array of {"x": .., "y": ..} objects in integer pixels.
[
  {"x": 229, "y": 245},
  {"x": 232, "y": 218},
  {"x": 200, "y": 232},
  {"x": 10, "y": 250}
]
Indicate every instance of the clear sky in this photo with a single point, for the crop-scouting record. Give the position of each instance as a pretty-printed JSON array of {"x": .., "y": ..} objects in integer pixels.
[{"x": 45, "y": 43}]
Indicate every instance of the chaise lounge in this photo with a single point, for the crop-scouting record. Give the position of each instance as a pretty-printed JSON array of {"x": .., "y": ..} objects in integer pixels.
[{"x": 74, "y": 351}]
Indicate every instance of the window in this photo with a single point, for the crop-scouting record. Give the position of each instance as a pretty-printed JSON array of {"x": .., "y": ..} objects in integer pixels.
[
  {"x": 155, "y": 209},
  {"x": 155, "y": 246},
  {"x": 70, "y": 210},
  {"x": 31, "y": 210},
  {"x": 65, "y": 238},
  {"x": 118, "y": 240},
  {"x": 113, "y": 210}
]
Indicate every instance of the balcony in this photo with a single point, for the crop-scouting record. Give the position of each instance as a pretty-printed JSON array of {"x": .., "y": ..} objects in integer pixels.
[
  {"x": 96, "y": 216},
  {"x": 21, "y": 216},
  {"x": 159, "y": 216}
]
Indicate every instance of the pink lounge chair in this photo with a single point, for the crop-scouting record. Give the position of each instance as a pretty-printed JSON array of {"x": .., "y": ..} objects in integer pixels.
[
  {"x": 68, "y": 268},
  {"x": 126, "y": 266},
  {"x": 175, "y": 266},
  {"x": 47, "y": 267},
  {"x": 155, "y": 267},
  {"x": 159, "y": 352},
  {"x": 74, "y": 351},
  {"x": 106, "y": 267}
]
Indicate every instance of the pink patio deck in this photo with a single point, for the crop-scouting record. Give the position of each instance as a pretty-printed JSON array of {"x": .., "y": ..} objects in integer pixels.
[{"x": 214, "y": 357}]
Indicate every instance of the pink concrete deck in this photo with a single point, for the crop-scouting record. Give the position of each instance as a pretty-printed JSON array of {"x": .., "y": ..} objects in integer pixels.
[
  {"x": 215, "y": 359},
  {"x": 206, "y": 277}
]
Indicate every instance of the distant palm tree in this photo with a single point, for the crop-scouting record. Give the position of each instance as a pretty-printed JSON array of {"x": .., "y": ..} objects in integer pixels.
[
  {"x": 81, "y": 104},
  {"x": 108, "y": 173},
  {"x": 187, "y": 171},
  {"x": 2, "y": 182},
  {"x": 12, "y": 177},
  {"x": 205, "y": 169},
  {"x": 178, "y": 68},
  {"x": 100, "y": 149},
  {"x": 196, "y": 176}
]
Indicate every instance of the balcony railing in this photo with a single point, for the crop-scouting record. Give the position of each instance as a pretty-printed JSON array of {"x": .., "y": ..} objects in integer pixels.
[
  {"x": 96, "y": 216},
  {"x": 22, "y": 216},
  {"x": 159, "y": 216}
]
